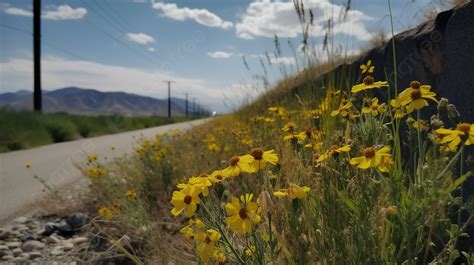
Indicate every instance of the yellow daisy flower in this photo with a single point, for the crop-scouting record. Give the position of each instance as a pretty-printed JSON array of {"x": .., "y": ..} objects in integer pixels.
[
  {"x": 28, "y": 164},
  {"x": 371, "y": 157},
  {"x": 242, "y": 214},
  {"x": 195, "y": 228},
  {"x": 238, "y": 165},
  {"x": 207, "y": 244},
  {"x": 289, "y": 127},
  {"x": 368, "y": 83},
  {"x": 185, "y": 200},
  {"x": 293, "y": 192},
  {"x": 105, "y": 213},
  {"x": 131, "y": 194},
  {"x": 375, "y": 108},
  {"x": 463, "y": 131},
  {"x": 415, "y": 97},
  {"x": 259, "y": 159},
  {"x": 333, "y": 151},
  {"x": 367, "y": 68},
  {"x": 343, "y": 109}
]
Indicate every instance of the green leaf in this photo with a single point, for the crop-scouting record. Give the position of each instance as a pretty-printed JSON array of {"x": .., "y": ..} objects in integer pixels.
[
  {"x": 349, "y": 203},
  {"x": 459, "y": 181}
]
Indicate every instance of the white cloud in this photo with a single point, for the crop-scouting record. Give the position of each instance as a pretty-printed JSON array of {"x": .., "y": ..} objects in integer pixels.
[
  {"x": 62, "y": 12},
  {"x": 59, "y": 72},
  {"x": 140, "y": 38},
  {"x": 265, "y": 18},
  {"x": 201, "y": 16},
  {"x": 151, "y": 49},
  {"x": 283, "y": 60},
  {"x": 220, "y": 54},
  {"x": 14, "y": 11}
]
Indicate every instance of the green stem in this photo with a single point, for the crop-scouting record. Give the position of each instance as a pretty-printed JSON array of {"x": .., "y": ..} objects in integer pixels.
[
  {"x": 461, "y": 172},
  {"x": 420, "y": 148}
]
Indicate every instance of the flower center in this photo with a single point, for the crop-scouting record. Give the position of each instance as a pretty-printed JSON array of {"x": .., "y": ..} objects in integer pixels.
[
  {"x": 207, "y": 240},
  {"x": 375, "y": 107},
  {"x": 219, "y": 177},
  {"x": 369, "y": 152},
  {"x": 188, "y": 199},
  {"x": 243, "y": 213},
  {"x": 234, "y": 160},
  {"x": 368, "y": 80},
  {"x": 415, "y": 84},
  {"x": 333, "y": 148},
  {"x": 203, "y": 175},
  {"x": 308, "y": 133},
  {"x": 415, "y": 94},
  {"x": 257, "y": 153},
  {"x": 464, "y": 127}
]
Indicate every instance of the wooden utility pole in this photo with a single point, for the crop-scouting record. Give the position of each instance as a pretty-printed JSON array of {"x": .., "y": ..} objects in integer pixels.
[
  {"x": 186, "y": 105},
  {"x": 194, "y": 106},
  {"x": 169, "y": 97},
  {"x": 37, "y": 101}
]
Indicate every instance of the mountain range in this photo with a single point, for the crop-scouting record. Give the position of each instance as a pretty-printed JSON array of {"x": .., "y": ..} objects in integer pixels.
[{"x": 93, "y": 102}]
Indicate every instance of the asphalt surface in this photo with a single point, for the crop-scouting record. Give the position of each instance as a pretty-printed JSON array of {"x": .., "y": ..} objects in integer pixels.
[{"x": 55, "y": 163}]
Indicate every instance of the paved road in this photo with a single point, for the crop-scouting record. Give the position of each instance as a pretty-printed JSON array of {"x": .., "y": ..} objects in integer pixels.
[{"x": 55, "y": 163}]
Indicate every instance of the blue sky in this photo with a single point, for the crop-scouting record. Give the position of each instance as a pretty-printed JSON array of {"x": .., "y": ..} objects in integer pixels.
[{"x": 135, "y": 45}]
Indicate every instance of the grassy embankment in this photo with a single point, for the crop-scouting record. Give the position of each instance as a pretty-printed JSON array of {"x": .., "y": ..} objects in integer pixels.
[
  {"x": 26, "y": 129},
  {"x": 314, "y": 172}
]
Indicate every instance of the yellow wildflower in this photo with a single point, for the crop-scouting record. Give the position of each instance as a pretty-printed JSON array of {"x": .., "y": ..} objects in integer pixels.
[
  {"x": 368, "y": 83},
  {"x": 242, "y": 214},
  {"x": 333, "y": 151},
  {"x": 219, "y": 257},
  {"x": 367, "y": 68},
  {"x": 201, "y": 182},
  {"x": 375, "y": 108},
  {"x": 293, "y": 192},
  {"x": 249, "y": 251},
  {"x": 131, "y": 194},
  {"x": 185, "y": 200},
  {"x": 342, "y": 110},
  {"x": 96, "y": 172},
  {"x": 195, "y": 228},
  {"x": 91, "y": 158},
  {"x": 415, "y": 97},
  {"x": 28, "y": 164},
  {"x": 105, "y": 213},
  {"x": 259, "y": 158},
  {"x": 289, "y": 127},
  {"x": 213, "y": 147},
  {"x": 463, "y": 131},
  {"x": 207, "y": 244},
  {"x": 238, "y": 165},
  {"x": 371, "y": 157}
]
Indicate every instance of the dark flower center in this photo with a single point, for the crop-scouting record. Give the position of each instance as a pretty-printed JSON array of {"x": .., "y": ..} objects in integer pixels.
[
  {"x": 234, "y": 160},
  {"x": 243, "y": 213},
  {"x": 207, "y": 240},
  {"x": 415, "y": 94},
  {"x": 368, "y": 80},
  {"x": 188, "y": 199},
  {"x": 369, "y": 152},
  {"x": 257, "y": 153},
  {"x": 464, "y": 127},
  {"x": 415, "y": 84},
  {"x": 219, "y": 177}
]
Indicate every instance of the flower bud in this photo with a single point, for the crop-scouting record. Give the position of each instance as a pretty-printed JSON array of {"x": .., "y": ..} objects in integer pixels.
[
  {"x": 453, "y": 113},
  {"x": 443, "y": 104},
  {"x": 436, "y": 122}
]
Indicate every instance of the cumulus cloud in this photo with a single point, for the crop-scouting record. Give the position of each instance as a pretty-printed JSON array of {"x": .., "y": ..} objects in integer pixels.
[
  {"x": 219, "y": 54},
  {"x": 62, "y": 12},
  {"x": 265, "y": 18},
  {"x": 201, "y": 16},
  {"x": 58, "y": 72},
  {"x": 140, "y": 38}
]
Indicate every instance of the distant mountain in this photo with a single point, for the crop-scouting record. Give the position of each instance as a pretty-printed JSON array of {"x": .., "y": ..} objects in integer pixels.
[{"x": 92, "y": 102}]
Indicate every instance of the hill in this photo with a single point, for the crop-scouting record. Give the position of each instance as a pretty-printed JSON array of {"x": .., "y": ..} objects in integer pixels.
[{"x": 82, "y": 101}]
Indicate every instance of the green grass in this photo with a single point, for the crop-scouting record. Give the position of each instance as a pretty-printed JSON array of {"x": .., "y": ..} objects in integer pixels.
[{"x": 26, "y": 129}]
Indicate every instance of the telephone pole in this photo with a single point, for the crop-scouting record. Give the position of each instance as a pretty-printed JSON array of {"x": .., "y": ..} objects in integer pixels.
[
  {"x": 37, "y": 101},
  {"x": 186, "y": 104},
  {"x": 169, "y": 97},
  {"x": 194, "y": 106}
]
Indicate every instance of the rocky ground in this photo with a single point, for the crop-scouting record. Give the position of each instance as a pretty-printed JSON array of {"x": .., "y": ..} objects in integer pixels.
[{"x": 48, "y": 240}]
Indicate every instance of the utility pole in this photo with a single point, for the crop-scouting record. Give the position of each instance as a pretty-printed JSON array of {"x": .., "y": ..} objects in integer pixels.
[
  {"x": 37, "y": 101},
  {"x": 186, "y": 104},
  {"x": 169, "y": 97},
  {"x": 194, "y": 106}
]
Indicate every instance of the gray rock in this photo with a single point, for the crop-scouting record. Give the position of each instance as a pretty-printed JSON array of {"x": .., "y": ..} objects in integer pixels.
[
  {"x": 76, "y": 220},
  {"x": 12, "y": 245},
  {"x": 17, "y": 252},
  {"x": 5, "y": 252},
  {"x": 25, "y": 256},
  {"x": 52, "y": 240},
  {"x": 79, "y": 240},
  {"x": 57, "y": 252},
  {"x": 5, "y": 233},
  {"x": 7, "y": 258},
  {"x": 32, "y": 245},
  {"x": 35, "y": 255},
  {"x": 20, "y": 220},
  {"x": 68, "y": 246}
]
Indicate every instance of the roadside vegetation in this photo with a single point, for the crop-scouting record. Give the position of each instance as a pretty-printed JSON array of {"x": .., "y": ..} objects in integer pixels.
[
  {"x": 335, "y": 171},
  {"x": 26, "y": 129}
]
